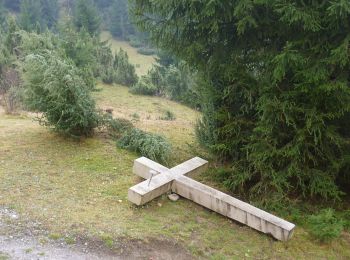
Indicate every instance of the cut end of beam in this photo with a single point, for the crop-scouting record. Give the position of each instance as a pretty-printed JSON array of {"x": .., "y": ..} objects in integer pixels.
[{"x": 148, "y": 190}]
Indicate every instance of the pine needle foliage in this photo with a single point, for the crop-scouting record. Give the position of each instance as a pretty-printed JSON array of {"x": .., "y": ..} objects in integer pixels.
[
  {"x": 3, "y": 13},
  {"x": 86, "y": 16},
  {"x": 325, "y": 226},
  {"x": 54, "y": 87},
  {"x": 275, "y": 90},
  {"x": 153, "y": 146},
  {"x": 124, "y": 71}
]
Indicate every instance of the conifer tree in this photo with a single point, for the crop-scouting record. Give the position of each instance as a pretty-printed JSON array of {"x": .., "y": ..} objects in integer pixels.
[
  {"x": 275, "y": 87},
  {"x": 30, "y": 15},
  {"x": 13, "y": 5},
  {"x": 2, "y": 12},
  {"x": 49, "y": 12},
  {"x": 124, "y": 71},
  {"x": 120, "y": 25},
  {"x": 102, "y": 4},
  {"x": 86, "y": 16}
]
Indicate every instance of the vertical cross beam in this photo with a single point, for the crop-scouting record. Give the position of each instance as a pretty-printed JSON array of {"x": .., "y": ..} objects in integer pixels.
[{"x": 174, "y": 179}]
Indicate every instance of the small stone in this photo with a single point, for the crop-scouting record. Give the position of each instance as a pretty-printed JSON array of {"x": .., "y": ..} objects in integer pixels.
[
  {"x": 173, "y": 197},
  {"x": 120, "y": 201},
  {"x": 159, "y": 204}
]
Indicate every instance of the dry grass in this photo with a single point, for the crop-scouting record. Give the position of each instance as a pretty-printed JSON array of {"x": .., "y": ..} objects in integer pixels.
[
  {"x": 80, "y": 188},
  {"x": 142, "y": 62}
]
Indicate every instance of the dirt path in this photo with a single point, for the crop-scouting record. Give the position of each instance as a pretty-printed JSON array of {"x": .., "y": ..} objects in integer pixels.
[
  {"x": 30, "y": 248},
  {"x": 22, "y": 239}
]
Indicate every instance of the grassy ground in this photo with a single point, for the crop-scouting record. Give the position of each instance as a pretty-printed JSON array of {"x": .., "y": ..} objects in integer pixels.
[
  {"x": 76, "y": 188},
  {"x": 142, "y": 62},
  {"x": 79, "y": 189},
  {"x": 146, "y": 113}
]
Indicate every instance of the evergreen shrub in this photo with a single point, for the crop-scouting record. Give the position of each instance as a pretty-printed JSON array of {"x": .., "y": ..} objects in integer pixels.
[
  {"x": 276, "y": 98},
  {"x": 115, "y": 126},
  {"x": 124, "y": 71},
  {"x": 146, "y": 51},
  {"x": 152, "y": 146},
  {"x": 54, "y": 88},
  {"x": 135, "y": 42},
  {"x": 325, "y": 226},
  {"x": 144, "y": 87}
]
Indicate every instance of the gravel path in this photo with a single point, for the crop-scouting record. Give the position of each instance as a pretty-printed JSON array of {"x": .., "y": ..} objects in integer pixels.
[
  {"x": 29, "y": 248},
  {"x": 25, "y": 240}
]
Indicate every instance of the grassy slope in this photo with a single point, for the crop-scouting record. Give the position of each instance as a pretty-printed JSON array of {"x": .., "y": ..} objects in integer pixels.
[
  {"x": 146, "y": 111},
  {"x": 142, "y": 62},
  {"x": 79, "y": 188}
]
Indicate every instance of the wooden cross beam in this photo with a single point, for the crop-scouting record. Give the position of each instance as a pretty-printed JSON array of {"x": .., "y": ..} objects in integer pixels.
[{"x": 160, "y": 180}]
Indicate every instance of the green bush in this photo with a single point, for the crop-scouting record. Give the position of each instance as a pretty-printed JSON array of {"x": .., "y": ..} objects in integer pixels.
[
  {"x": 54, "y": 87},
  {"x": 115, "y": 126},
  {"x": 175, "y": 82},
  {"x": 144, "y": 87},
  {"x": 146, "y": 51},
  {"x": 325, "y": 226},
  {"x": 152, "y": 146},
  {"x": 124, "y": 71},
  {"x": 107, "y": 76},
  {"x": 346, "y": 217},
  {"x": 135, "y": 117},
  {"x": 105, "y": 62},
  {"x": 180, "y": 84},
  {"x": 135, "y": 42}
]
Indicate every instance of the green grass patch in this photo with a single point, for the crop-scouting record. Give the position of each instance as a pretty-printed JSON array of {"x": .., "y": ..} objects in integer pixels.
[
  {"x": 69, "y": 240},
  {"x": 55, "y": 236},
  {"x": 4, "y": 256},
  {"x": 108, "y": 241}
]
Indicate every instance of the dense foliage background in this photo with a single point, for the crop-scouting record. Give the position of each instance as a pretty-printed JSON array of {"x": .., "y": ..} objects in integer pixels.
[{"x": 275, "y": 87}]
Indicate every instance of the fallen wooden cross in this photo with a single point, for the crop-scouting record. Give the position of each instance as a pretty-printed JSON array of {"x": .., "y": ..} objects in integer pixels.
[{"x": 161, "y": 180}]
